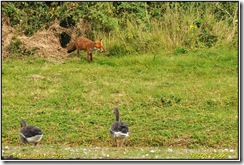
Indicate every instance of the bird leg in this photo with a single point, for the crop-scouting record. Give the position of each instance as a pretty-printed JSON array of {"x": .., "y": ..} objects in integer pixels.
[
  {"x": 122, "y": 143},
  {"x": 36, "y": 144},
  {"x": 116, "y": 141}
]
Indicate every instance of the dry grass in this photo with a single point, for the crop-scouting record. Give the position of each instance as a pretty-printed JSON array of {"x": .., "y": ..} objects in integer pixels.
[{"x": 113, "y": 153}]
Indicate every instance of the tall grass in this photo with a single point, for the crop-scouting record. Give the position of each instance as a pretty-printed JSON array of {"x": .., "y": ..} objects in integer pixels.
[
  {"x": 189, "y": 28},
  {"x": 138, "y": 27}
]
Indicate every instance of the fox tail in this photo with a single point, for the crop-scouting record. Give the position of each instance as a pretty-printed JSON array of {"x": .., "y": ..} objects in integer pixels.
[{"x": 71, "y": 47}]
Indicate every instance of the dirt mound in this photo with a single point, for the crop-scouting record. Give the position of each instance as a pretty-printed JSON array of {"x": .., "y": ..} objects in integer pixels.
[
  {"x": 7, "y": 35},
  {"x": 45, "y": 42}
]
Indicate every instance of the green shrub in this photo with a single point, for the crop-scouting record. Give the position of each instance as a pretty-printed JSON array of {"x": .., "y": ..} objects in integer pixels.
[
  {"x": 180, "y": 50},
  {"x": 15, "y": 46},
  {"x": 138, "y": 26},
  {"x": 118, "y": 50}
]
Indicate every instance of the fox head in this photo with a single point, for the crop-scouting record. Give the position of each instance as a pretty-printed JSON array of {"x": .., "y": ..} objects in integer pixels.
[{"x": 99, "y": 45}]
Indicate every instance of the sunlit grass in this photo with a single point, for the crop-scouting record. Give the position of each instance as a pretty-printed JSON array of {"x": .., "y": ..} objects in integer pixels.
[{"x": 171, "y": 101}]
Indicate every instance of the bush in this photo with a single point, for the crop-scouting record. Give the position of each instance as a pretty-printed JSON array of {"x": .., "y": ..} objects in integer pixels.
[
  {"x": 17, "y": 48},
  {"x": 137, "y": 26},
  {"x": 180, "y": 50}
]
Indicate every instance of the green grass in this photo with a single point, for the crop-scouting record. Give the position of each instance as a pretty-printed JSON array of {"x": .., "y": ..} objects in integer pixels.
[{"x": 179, "y": 101}]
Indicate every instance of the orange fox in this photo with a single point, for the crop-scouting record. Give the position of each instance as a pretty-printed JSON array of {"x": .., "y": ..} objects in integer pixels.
[{"x": 82, "y": 43}]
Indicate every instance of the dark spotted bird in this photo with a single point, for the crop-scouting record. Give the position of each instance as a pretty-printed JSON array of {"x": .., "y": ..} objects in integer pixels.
[
  {"x": 119, "y": 130},
  {"x": 30, "y": 134}
]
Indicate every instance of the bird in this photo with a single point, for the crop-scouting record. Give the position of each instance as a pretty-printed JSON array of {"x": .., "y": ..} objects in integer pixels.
[
  {"x": 118, "y": 129},
  {"x": 30, "y": 134}
]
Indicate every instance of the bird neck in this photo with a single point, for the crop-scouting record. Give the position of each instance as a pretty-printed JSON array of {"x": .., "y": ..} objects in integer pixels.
[
  {"x": 23, "y": 123},
  {"x": 117, "y": 115}
]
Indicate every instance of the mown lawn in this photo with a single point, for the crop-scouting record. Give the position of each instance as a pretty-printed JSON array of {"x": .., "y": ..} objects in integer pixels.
[{"x": 180, "y": 102}]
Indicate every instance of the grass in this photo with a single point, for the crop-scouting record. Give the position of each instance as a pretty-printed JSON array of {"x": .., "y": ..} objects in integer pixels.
[
  {"x": 169, "y": 100},
  {"x": 112, "y": 153}
]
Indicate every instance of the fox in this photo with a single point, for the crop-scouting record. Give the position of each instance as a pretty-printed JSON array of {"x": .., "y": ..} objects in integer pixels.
[{"x": 82, "y": 43}]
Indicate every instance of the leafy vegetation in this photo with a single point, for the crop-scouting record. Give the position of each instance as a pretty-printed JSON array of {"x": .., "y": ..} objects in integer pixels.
[{"x": 135, "y": 27}]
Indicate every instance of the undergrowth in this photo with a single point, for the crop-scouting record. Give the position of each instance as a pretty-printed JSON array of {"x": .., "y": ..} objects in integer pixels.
[{"x": 137, "y": 27}]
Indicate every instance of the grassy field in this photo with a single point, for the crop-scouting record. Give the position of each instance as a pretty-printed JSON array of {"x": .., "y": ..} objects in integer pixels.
[{"x": 176, "y": 105}]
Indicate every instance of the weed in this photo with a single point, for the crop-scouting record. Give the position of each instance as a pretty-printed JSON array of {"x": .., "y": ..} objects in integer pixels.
[{"x": 180, "y": 50}]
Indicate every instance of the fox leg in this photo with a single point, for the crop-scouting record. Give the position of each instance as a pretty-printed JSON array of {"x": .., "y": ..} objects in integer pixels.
[
  {"x": 89, "y": 56},
  {"x": 78, "y": 52}
]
